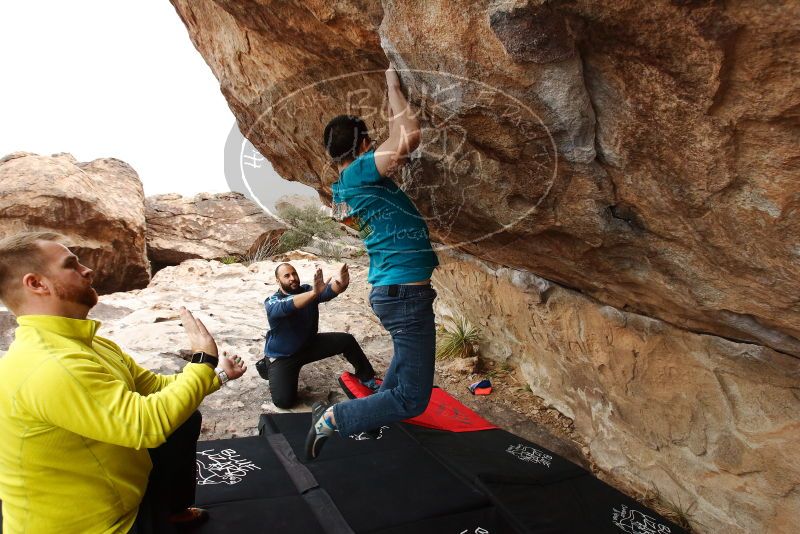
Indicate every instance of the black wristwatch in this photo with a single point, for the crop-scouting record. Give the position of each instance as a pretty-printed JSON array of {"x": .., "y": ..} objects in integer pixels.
[{"x": 204, "y": 357}]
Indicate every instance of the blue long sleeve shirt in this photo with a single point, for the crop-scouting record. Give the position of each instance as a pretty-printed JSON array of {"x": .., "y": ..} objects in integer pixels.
[{"x": 292, "y": 328}]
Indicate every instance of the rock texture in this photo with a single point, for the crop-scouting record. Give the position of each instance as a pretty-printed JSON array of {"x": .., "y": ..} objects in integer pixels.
[
  {"x": 644, "y": 154},
  {"x": 208, "y": 226},
  {"x": 703, "y": 419},
  {"x": 98, "y": 206}
]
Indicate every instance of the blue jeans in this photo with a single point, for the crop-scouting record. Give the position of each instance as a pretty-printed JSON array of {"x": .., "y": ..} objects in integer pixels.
[{"x": 406, "y": 311}]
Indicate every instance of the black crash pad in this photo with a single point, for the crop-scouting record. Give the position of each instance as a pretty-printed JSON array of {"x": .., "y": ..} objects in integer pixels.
[{"x": 406, "y": 478}]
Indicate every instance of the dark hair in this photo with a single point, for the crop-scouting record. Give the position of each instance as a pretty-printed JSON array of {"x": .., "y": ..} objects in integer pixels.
[
  {"x": 343, "y": 136},
  {"x": 279, "y": 267}
]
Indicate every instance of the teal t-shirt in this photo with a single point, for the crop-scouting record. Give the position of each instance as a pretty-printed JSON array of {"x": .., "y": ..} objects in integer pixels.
[{"x": 393, "y": 231}]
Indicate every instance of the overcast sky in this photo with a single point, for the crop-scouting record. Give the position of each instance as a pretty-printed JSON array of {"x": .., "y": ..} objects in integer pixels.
[{"x": 103, "y": 78}]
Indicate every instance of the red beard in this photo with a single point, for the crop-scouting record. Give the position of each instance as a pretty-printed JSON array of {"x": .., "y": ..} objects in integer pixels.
[{"x": 79, "y": 295}]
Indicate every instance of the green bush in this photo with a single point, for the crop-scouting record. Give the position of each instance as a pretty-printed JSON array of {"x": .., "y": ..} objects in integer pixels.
[
  {"x": 292, "y": 240},
  {"x": 458, "y": 341},
  {"x": 331, "y": 250},
  {"x": 228, "y": 260},
  {"x": 310, "y": 220},
  {"x": 305, "y": 224}
]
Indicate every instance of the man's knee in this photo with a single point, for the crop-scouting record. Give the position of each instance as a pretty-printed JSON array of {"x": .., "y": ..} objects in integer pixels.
[
  {"x": 284, "y": 400},
  {"x": 414, "y": 405},
  {"x": 417, "y": 408},
  {"x": 195, "y": 420},
  {"x": 349, "y": 340}
]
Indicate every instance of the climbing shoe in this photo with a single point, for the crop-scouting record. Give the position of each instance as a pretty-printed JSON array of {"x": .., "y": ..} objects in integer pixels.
[
  {"x": 372, "y": 384},
  {"x": 321, "y": 429}
]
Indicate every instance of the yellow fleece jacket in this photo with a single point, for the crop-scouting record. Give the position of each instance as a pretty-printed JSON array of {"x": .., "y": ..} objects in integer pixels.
[{"x": 77, "y": 416}]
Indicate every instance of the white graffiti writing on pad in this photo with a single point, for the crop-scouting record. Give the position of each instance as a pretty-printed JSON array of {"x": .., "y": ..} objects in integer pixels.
[
  {"x": 223, "y": 467},
  {"x": 479, "y": 530},
  {"x": 363, "y": 436},
  {"x": 633, "y": 521},
  {"x": 530, "y": 454}
]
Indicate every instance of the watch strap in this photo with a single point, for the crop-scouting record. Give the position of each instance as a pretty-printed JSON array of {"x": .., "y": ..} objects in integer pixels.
[
  {"x": 204, "y": 357},
  {"x": 222, "y": 375}
]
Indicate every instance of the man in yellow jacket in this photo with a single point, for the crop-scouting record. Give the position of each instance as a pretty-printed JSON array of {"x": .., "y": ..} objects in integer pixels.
[{"x": 78, "y": 415}]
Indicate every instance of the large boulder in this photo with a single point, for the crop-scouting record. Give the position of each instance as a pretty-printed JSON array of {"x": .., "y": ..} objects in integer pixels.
[
  {"x": 711, "y": 423},
  {"x": 206, "y": 226},
  {"x": 98, "y": 206},
  {"x": 642, "y": 153}
]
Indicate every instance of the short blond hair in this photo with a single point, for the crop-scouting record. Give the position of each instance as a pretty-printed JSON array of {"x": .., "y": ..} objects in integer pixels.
[{"x": 21, "y": 254}]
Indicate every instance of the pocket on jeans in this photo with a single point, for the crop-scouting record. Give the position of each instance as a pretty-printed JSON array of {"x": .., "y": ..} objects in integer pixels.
[{"x": 385, "y": 308}]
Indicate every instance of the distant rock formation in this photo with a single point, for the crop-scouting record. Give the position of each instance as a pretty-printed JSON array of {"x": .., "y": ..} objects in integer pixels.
[
  {"x": 206, "y": 226},
  {"x": 98, "y": 206},
  {"x": 297, "y": 201}
]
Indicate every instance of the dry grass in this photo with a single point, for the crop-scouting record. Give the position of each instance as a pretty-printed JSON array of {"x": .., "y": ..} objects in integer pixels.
[
  {"x": 673, "y": 509},
  {"x": 263, "y": 252}
]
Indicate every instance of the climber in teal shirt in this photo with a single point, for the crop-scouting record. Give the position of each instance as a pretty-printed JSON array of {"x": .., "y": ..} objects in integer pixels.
[
  {"x": 394, "y": 232},
  {"x": 401, "y": 264}
]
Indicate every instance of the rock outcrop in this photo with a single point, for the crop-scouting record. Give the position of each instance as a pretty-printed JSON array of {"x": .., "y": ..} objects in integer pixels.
[
  {"x": 98, "y": 206},
  {"x": 206, "y": 226},
  {"x": 703, "y": 419},
  {"x": 643, "y": 154}
]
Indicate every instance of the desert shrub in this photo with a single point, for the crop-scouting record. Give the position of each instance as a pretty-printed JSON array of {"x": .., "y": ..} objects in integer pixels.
[
  {"x": 330, "y": 250},
  {"x": 674, "y": 509},
  {"x": 228, "y": 260},
  {"x": 293, "y": 240},
  {"x": 267, "y": 249},
  {"x": 305, "y": 224},
  {"x": 459, "y": 340},
  {"x": 310, "y": 220}
]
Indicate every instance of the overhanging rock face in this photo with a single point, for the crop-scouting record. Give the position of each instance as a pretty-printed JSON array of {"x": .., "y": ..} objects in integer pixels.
[{"x": 642, "y": 153}]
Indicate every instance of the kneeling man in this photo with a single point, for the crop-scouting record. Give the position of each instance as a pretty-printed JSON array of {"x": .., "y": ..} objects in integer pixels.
[{"x": 293, "y": 341}]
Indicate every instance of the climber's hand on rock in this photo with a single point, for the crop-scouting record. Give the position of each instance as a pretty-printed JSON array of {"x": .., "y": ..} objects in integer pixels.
[{"x": 392, "y": 79}]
